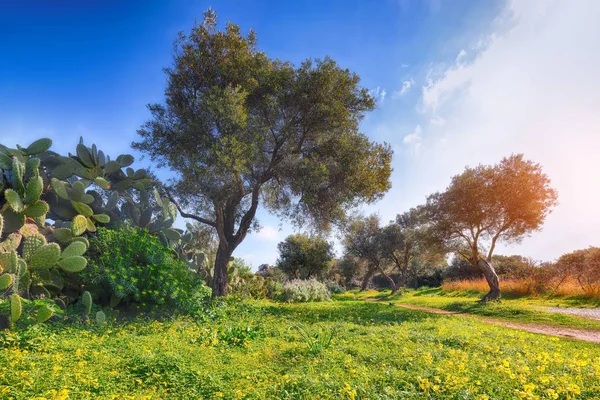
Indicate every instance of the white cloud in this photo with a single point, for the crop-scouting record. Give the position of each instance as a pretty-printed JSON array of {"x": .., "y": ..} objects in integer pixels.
[
  {"x": 382, "y": 95},
  {"x": 460, "y": 57},
  {"x": 533, "y": 88},
  {"x": 414, "y": 137},
  {"x": 406, "y": 85},
  {"x": 268, "y": 233}
]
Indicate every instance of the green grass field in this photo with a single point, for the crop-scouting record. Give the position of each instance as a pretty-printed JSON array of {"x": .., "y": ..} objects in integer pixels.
[
  {"x": 343, "y": 349},
  {"x": 526, "y": 310}
]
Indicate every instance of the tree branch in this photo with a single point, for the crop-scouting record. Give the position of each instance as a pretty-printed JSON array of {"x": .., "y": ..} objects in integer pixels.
[{"x": 187, "y": 215}]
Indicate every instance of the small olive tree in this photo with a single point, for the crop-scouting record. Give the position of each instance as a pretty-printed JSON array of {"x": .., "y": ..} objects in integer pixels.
[
  {"x": 487, "y": 204},
  {"x": 304, "y": 257}
]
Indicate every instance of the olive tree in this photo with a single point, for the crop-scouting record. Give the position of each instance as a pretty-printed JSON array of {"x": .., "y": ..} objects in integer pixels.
[
  {"x": 240, "y": 129},
  {"x": 488, "y": 204},
  {"x": 304, "y": 257}
]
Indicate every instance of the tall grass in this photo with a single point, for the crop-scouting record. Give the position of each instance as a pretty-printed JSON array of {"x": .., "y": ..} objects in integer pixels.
[{"x": 523, "y": 287}]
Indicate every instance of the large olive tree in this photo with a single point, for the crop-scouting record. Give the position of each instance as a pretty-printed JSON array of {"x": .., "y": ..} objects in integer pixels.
[
  {"x": 487, "y": 204},
  {"x": 239, "y": 128}
]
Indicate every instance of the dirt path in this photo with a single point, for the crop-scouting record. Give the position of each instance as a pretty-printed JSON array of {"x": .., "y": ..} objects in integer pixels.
[{"x": 579, "y": 334}]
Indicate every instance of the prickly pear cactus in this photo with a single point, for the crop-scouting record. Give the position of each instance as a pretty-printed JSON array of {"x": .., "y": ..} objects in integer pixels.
[{"x": 78, "y": 193}]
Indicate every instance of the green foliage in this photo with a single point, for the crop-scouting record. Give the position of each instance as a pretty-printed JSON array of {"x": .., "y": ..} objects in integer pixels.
[
  {"x": 134, "y": 266},
  {"x": 86, "y": 300},
  {"x": 240, "y": 335},
  {"x": 261, "y": 129},
  {"x": 100, "y": 318},
  {"x": 37, "y": 184},
  {"x": 489, "y": 204},
  {"x": 377, "y": 352},
  {"x": 317, "y": 339},
  {"x": 334, "y": 287},
  {"x": 301, "y": 291},
  {"x": 304, "y": 257},
  {"x": 16, "y": 307}
]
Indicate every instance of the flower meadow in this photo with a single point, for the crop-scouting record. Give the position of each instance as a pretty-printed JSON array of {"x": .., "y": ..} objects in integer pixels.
[{"x": 266, "y": 350}]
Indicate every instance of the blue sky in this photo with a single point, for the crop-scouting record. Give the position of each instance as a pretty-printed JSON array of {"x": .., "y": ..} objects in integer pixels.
[{"x": 73, "y": 68}]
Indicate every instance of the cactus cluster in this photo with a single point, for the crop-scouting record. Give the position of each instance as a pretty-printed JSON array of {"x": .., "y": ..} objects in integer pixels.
[
  {"x": 76, "y": 192},
  {"x": 154, "y": 213}
]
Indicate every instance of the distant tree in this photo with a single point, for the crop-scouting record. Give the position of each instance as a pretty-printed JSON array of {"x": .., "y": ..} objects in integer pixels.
[
  {"x": 272, "y": 272},
  {"x": 461, "y": 269},
  {"x": 364, "y": 238},
  {"x": 238, "y": 127},
  {"x": 411, "y": 246},
  {"x": 351, "y": 269},
  {"x": 486, "y": 204},
  {"x": 583, "y": 266},
  {"x": 514, "y": 267},
  {"x": 304, "y": 257}
]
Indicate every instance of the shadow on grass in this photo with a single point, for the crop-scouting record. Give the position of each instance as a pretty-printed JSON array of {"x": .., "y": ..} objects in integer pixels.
[{"x": 358, "y": 312}]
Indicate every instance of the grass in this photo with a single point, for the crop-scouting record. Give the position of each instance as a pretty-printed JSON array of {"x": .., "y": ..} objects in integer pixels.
[
  {"x": 262, "y": 350},
  {"x": 568, "y": 293},
  {"x": 525, "y": 310}
]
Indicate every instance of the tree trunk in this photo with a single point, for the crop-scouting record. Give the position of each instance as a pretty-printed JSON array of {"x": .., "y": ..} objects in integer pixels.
[
  {"x": 367, "y": 279},
  {"x": 390, "y": 280},
  {"x": 492, "y": 279},
  {"x": 220, "y": 278}
]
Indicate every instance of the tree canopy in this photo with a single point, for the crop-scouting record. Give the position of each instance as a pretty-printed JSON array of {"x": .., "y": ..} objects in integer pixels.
[
  {"x": 240, "y": 128},
  {"x": 487, "y": 204},
  {"x": 304, "y": 257}
]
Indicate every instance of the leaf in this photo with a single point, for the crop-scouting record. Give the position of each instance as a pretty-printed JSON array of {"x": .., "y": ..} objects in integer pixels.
[
  {"x": 90, "y": 225},
  {"x": 5, "y": 281},
  {"x": 125, "y": 160},
  {"x": 171, "y": 234},
  {"x": 15, "y": 307},
  {"x": 82, "y": 208},
  {"x": 59, "y": 188},
  {"x": 38, "y": 147},
  {"x": 63, "y": 234},
  {"x": 33, "y": 191},
  {"x": 102, "y": 218},
  {"x": 74, "y": 249},
  {"x": 73, "y": 264},
  {"x": 112, "y": 201},
  {"x": 79, "y": 225},
  {"x": 77, "y": 190},
  {"x": 103, "y": 183},
  {"x": 14, "y": 200},
  {"x": 37, "y": 209},
  {"x": 45, "y": 257},
  {"x": 111, "y": 167},
  {"x": 44, "y": 314},
  {"x": 13, "y": 221},
  {"x": 84, "y": 155}
]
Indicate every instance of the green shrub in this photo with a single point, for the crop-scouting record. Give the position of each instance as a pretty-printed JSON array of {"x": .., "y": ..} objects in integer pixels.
[
  {"x": 334, "y": 287},
  {"x": 132, "y": 266},
  {"x": 300, "y": 291}
]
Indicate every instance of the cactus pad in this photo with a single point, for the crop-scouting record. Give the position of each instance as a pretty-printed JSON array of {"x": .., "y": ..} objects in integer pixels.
[
  {"x": 74, "y": 249},
  {"x": 73, "y": 264},
  {"x": 45, "y": 257}
]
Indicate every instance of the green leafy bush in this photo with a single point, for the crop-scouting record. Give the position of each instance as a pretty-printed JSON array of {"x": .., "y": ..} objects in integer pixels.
[
  {"x": 132, "y": 266},
  {"x": 334, "y": 287},
  {"x": 300, "y": 291}
]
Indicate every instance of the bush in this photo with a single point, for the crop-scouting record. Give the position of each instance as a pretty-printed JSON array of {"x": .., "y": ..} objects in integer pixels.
[
  {"x": 334, "y": 287},
  {"x": 133, "y": 266},
  {"x": 301, "y": 291}
]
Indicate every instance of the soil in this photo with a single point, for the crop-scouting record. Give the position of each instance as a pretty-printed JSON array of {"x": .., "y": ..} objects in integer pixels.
[{"x": 571, "y": 333}]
